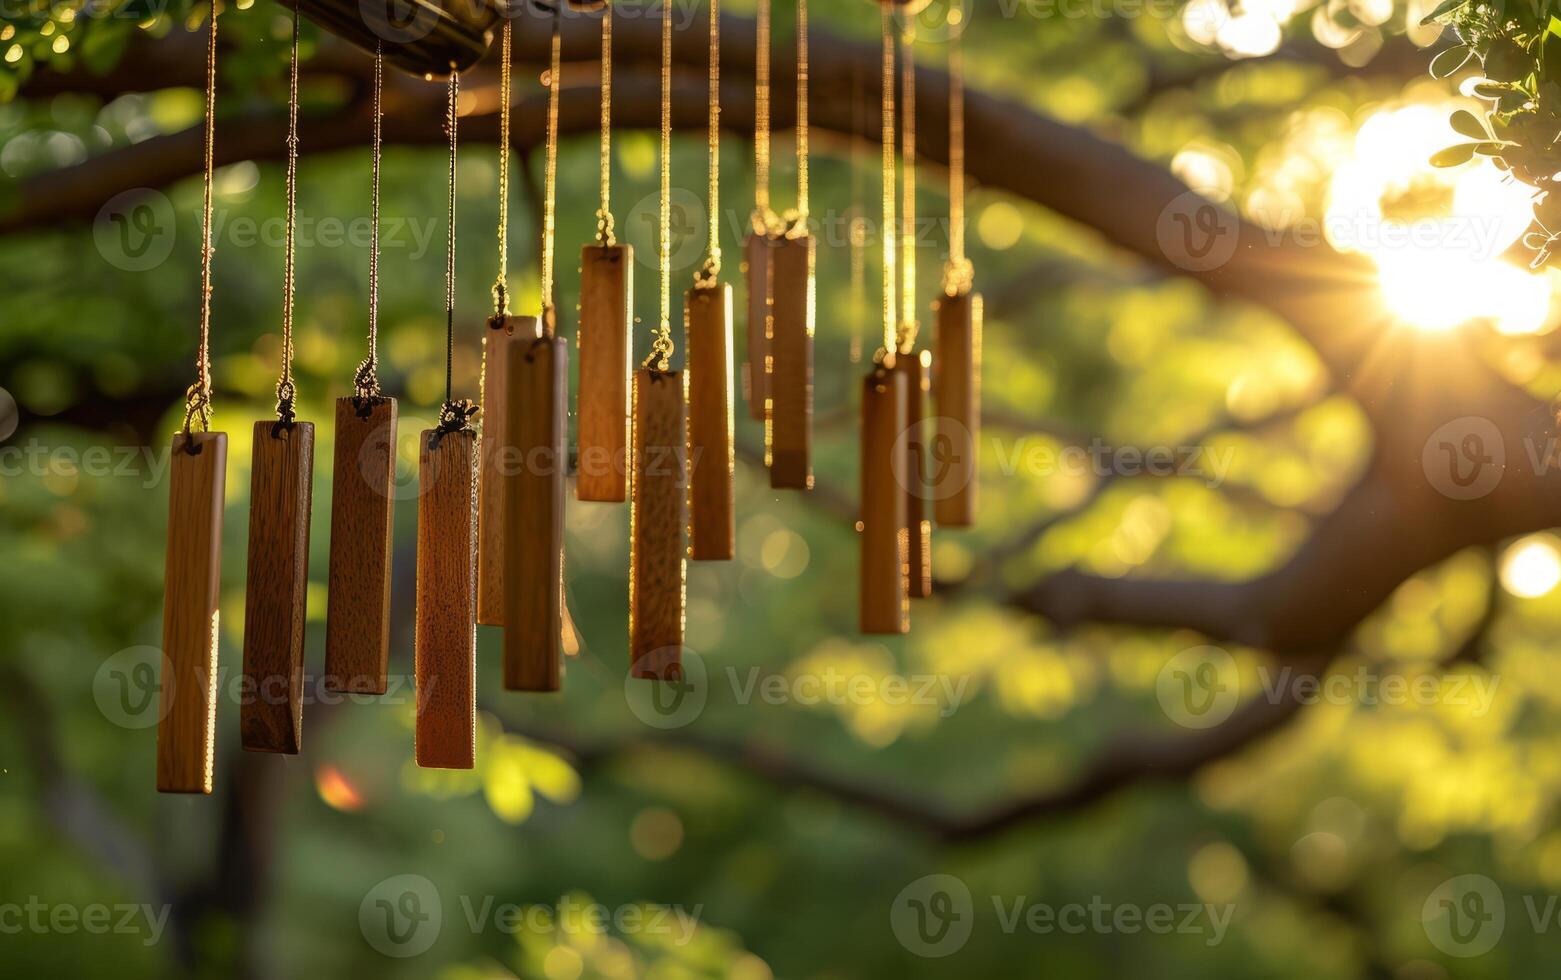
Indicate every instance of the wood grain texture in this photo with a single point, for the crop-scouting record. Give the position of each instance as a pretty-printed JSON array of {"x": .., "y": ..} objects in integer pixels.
[
  {"x": 187, "y": 722},
  {"x": 756, "y": 269},
  {"x": 917, "y": 368},
  {"x": 502, "y": 334},
  {"x": 712, "y": 525},
  {"x": 605, "y": 349},
  {"x": 657, "y": 523},
  {"x": 790, "y": 426},
  {"x": 534, "y": 515},
  {"x": 363, "y": 502},
  {"x": 446, "y": 651},
  {"x": 281, "y": 492},
  {"x": 956, "y": 390},
  {"x": 885, "y": 606}
]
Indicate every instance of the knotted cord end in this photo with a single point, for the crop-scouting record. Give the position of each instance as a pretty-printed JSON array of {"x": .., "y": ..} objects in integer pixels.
[
  {"x": 454, "y": 416},
  {"x": 959, "y": 277}
]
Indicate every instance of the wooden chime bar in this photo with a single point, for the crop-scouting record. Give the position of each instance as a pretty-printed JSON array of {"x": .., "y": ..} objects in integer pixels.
[
  {"x": 712, "y": 516},
  {"x": 186, "y": 729},
  {"x": 761, "y": 238},
  {"x": 281, "y": 495},
  {"x": 606, "y": 320},
  {"x": 885, "y": 606},
  {"x": 534, "y": 491},
  {"x": 916, "y": 368},
  {"x": 446, "y": 651},
  {"x": 658, "y": 515},
  {"x": 363, "y": 481},
  {"x": 496, "y": 458},
  {"x": 187, "y": 691}
]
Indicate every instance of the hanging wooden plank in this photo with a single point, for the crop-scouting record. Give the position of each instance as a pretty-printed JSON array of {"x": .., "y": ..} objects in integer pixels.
[
  {"x": 790, "y": 427},
  {"x": 271, "y": 716},
  {"x": 885, "y": 607},
  {"x": 756, "y": 267},
  {"x": 956, "y": 385},
  {"x": 187, "y": 725},
  {"x": 606, "y": 322},
  {"x": 537, "y": 428},
  {"x": 708, "y": 327},
  {"x": 917, "y": 368},
  {"x": 502, "y": 334},
  {"x": 658, "y": 516},
  {"x": 363, "y": 500},
  {"x": 446, "y": 651}
]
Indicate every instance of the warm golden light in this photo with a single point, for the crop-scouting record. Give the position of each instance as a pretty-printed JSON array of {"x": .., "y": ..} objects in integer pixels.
[{"x": 1531, "y": 567}]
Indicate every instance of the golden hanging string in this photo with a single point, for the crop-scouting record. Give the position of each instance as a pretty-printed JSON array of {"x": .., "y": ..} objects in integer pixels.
[
  {"x": 764, "y": 219},
  {"x": 454, "y": 416},
  {"x": 197, "y": 400},
  {"x": 709, "y": 275},
  {"x": 959, "y": 274},
  {"x": 501, "y": 284},
  {"x": 661, "y": 350},
  {"x": 798, "y": 223},
  {"x": 908, "y": 323},
  {"x": 550, "y": 189},
  {"x": 886, "y": 356},
  {"x": 286, "y": 391},
  {"x": 365, "y": 384},
  {"x": 605, "y": 235}
]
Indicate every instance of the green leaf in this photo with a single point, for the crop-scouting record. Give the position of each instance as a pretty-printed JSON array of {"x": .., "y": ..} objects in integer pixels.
[
  {"x": 1453, "y": 155},
  {"x": 1506, "y": 61},
  {"x": 1465, "y": 123},
  {"x": 1450, "y": 61},
  {"x": 1442, "y": 9},
  {"x": 1490, "y": 148}
]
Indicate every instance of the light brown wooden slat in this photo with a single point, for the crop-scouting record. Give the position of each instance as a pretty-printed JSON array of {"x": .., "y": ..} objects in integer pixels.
[
  {"x": 658, "y": 518},
  {"x": 791, "y": 365},
  {"x": 534, "y": 516},
  {"x": 708, "y": 328},
  {"x": 281, "y": 492},
  {"x": 916, "y": 366},
  {"x": 756, "y": 268},
  {"x": 953, "y": 464},
  {"x": 501, "y": 335},
  {"x": 186, "y": 729},
  {"x": 363, "y": 501},
  {"x": 446, "y": 652},
  {"x": 606, "y": 322},
  {"x": 885, "y": 606}
]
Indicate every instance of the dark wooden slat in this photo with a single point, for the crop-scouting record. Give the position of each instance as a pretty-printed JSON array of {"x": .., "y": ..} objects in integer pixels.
[
  {"x": 885, "y": 606},
  {"x": 708, "y": 328},
  {"x": 502, "y": 334},
  {"x": 658, "y": 520},
  {"x": 606, "y": 322},
  {"x": 790, "y": 426},
  {"x": 446, "y": 652},
  {"x": 363, "y": 501},
  {"x": 534, "y": 516},
  {"x": 756, "y": 268},
  {"x": 186, "y": 729},
  {"x": 917, "y": 368},
  {"x": 271, "y": 716},
  {"x": 956, "y": 389}
]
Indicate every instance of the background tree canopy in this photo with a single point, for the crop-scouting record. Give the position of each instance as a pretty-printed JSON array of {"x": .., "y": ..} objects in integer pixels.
[{"x": 1361, "y": 598}]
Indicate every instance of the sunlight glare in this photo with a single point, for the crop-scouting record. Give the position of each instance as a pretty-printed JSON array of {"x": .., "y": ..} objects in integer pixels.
[{"x": 1531, "y": 567}]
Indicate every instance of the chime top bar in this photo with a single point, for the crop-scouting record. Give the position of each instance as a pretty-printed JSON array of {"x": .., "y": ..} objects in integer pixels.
[{"x": 429, "y": 38}]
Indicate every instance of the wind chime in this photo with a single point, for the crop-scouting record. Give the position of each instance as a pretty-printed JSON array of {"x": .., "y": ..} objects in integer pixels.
[
  {"x": 536, "y": 407},
  {"x": 957, "y": 382},
  {"x": 446, "y": 642},
  {"x": 187, "y": 726},
  {"x": 271, "y": 714},
  {"x": 659, "y": 457},
  {"x": 490, "y": 545}
]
